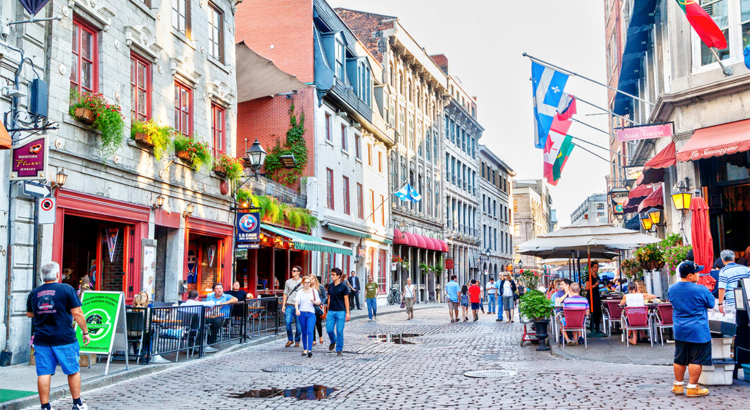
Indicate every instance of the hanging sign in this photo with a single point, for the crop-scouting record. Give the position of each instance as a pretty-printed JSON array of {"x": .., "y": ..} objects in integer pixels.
[
  {"x": 645, "y": 132},
  {"x": 29, "y": 159},
  {"x": 112, "y": 234},
  {"x": 105, "y": 319},
  {"x": 46, "y": 211},
  {"x": 211, "y": 255},
  {"x": 449, "y": 263},
  {"x": 192, "y": 262},
  {"x": 248, "y": 229}
]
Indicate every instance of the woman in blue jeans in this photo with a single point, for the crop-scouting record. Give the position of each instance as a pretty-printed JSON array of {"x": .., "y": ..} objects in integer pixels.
[{"x": 304, "y": 307}]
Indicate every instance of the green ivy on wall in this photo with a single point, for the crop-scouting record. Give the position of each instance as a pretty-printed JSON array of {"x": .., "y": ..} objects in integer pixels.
[
  {"x": 294, "y": 144},
  {"x": 274, "y": 211}
]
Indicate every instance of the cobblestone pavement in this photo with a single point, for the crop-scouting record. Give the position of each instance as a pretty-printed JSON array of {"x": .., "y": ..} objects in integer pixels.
[{"x": 425, "y": 375}]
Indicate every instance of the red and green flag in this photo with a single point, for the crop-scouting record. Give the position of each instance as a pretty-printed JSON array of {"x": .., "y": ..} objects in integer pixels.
[
  {"x": 562, "y": 158},
  {"x": 703, "y": 24}
]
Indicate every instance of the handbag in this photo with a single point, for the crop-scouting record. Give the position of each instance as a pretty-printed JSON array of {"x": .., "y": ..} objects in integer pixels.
[
  {"x": 318, "y": 310},
  {"x": 403, "y": 305}
]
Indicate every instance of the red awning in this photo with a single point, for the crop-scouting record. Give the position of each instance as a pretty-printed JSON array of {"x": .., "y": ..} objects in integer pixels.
[
  {"x": 433, "y": 244},
  {"x": 399, "y": 238},
  {"x": 443, "y": 245},
  {"x": 411, "y": 239},
  {"x": 421, "y": 243},
  {"x": 653, "y": 170},
  {"x": 655, "y": 200},
  {"x": 725, "y": 139},
  {"x": 641, "y": 191},
  {"x": 628, "y": 208}
]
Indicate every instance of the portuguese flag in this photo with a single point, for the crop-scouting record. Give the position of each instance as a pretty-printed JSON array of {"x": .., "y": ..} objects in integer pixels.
[
  {"x": 703, "y": 24},
  {"x": 562, "y": 158}
]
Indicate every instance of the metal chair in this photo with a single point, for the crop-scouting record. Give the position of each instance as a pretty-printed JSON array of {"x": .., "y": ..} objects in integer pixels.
[
  {"x": 663, "y": 318},
  {"x": 636, "y": 318},
  {"x": 612, "y": 314},
  {"x": 575, "y": 321}
]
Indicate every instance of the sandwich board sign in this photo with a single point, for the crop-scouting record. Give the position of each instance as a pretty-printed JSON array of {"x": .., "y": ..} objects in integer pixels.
[{"x": 105, "y": 319}]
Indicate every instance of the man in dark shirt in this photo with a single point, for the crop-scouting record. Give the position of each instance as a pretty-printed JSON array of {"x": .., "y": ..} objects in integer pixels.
[
  {"x": 241, "y": 296},
  {"x": 338, "y": 311},
  {"x": 596, "y": 307},
  {"x": 53, "y": 307}
]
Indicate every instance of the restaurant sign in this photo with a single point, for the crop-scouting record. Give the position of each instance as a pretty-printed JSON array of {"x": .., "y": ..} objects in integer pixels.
[
  {"x": 449, "y": 263},
  {"x": 644, "y": 132},
  {"x": 29, "y": 159},
  {"x": 248, "y": 228},
  {"x": 717, "y": 151}
]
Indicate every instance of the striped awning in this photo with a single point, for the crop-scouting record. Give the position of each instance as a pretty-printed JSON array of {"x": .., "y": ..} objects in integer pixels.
[
  {"x": 347, "y": 231},
  {"x": 306, "y": 242}
]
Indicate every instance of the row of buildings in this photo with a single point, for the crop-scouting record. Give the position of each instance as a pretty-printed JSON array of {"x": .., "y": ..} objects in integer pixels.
[
  {"x": 361, "y": 105},
  {"x": 654, "y": 54}
]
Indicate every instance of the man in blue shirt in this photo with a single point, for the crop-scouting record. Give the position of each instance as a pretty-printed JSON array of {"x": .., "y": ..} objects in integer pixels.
[
  {"x": 729, "y": 277},
  {"x": 690, "y": 303},
  {"x": 452, "y": 291},
  {"x": 220, "y": 298}
]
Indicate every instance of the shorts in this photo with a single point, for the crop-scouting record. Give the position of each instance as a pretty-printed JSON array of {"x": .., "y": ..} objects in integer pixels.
[
  {"x": 686, "y": 353},
  {"x": 474, "y": 306},
  {"x": 48, "y": 357},
  {"x": 452, "y": 305},
  {"x": 508, "y": 302},
  {"x": 409, "y": 305}
]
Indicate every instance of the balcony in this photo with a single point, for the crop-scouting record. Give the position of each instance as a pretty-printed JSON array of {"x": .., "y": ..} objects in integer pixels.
[
  {"x": 265, "y": 186},
  {"x": 347, "y": 95}
]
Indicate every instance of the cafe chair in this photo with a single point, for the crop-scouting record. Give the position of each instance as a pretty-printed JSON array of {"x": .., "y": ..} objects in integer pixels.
[
  {"x": 135, "y": 319},
  {"x": 575, "y": 321},
  {"x": 612, "y": 313},
  {"x": 663, "y": 317},
  {"x": 636, "y": 318}
]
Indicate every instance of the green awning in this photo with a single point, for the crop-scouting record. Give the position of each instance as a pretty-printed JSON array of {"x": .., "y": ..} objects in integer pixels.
[
  {"x": 306, "y": 242},
  {"x": 388, "y": 241},
  {"x": 346, "y": 231}
]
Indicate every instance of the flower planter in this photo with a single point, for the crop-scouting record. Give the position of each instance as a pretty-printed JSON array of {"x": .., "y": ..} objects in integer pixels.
[
  {"x": 144, "y": 138},
  {"x": 220, "y": 170},
  {"x": 184, "y": 155},
  {"x": 85, "y": 115},
  {"x": 541, "y": 334}
]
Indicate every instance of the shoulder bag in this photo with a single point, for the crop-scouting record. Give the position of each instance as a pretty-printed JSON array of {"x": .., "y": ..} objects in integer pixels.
[{"x": 318, "y": 310}]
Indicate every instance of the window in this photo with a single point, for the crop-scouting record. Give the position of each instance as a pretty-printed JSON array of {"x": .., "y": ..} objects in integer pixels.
[
  {"x": 600, "y": 206},
  {"x": 216, "y": 32},
  {"x": 181, "y": 16},
  {"x": 339, "y": 59},
  {"x": 410, "y": 132},
  {"x": 346, "y": 195},
  {"x": 329, "y": 137},
  {"x": 357, "y": 148},
  {"x": 435, "y": 144},
  {"x": 719, "y": 11},
  {"x": 600, "y": 214},
  {"x": 343, "y": 137},
  {"x": 369, "y": 154},
  {"x": 329, "y": 185},
  {"x": 140, "y": 88},
  {"x": 447, "y": 123},
  {"x": 419, "y": 137},
  {"x": 217, "y": 129},
  {"x": 183, "y": 108},
  {"x": 84, "y": 59},
  {"x": 382, "y": 210},
  {"x": 428, "y": 145},
  {"x": 372, "y": 204},
  {"x": 360, "y": 207},
  {"x": 380, "y": 162}
]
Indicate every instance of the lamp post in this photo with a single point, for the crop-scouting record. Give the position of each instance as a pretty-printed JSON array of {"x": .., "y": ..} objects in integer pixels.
[
  {"x": 681, "y": 200},
  {"x": 646, "y": 222}
]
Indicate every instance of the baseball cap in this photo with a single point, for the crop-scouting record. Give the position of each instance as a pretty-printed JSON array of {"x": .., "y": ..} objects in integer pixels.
[{"x": 688, "y": 267}]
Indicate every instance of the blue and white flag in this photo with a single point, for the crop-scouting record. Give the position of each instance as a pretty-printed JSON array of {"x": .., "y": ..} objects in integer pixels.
[
  {"x": 407, "y": 193},
  {"x": 548, "y": 85}
]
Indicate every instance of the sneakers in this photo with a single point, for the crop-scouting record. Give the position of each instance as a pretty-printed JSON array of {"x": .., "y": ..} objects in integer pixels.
[
  {"x": 375, "y": 317},
  {"x": 572, "y": 343},
  {"x": 289, "y": 343},
  {"x": 209, "y": 349},
  {"x": 370, "y": 320},
  {"x": 331, "y": 346},
  {"x": 82, "y": 406},
  {"x": 498, "y": 320},
  {"x": 678, "y": 389},
  {"x": 697, "y": 391},
  {"x": 580, "y": 340}
]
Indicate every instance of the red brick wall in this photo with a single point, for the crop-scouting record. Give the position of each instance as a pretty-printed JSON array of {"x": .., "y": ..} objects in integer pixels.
[
  {"x": 112, "y": 271},
  {"x": 363, "y": 25}
]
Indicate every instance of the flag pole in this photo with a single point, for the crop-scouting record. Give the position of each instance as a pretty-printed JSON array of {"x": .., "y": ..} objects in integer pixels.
[
  {"x": 599, "y": 146},
  {"x": 546, "y": 64},
  {"x": 593, "y": 153},
  {"x": 727, "y": 70},
  {"x": 592, "y": 127},
  {"x": 607, "y": 111}
]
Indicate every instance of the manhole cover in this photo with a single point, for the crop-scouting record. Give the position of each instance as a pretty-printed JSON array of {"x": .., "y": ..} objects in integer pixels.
[
  {"x": 481, "y": 374},
  {"x": 287, "y": 369}
]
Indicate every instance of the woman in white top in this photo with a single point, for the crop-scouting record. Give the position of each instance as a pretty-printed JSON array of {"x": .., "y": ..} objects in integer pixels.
[
  {"x": 409, "y": 299},
  {"x": 304, "y": 305},
  {"x": 635, "y": 299}
]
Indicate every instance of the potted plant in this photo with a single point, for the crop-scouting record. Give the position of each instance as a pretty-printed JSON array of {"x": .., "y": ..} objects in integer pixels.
[
  {"x": 650, "y": 257},
  {"x": 535, "y": 306},
  {"x": 188, "y": 149},
  {"x": 405, "y": 263},
  {"x": 229, "y": 167},
  {"x": 93, "y": 109},
  {"x": 530, "y": 279},
  {"x": 630, "y": 268},
  {"x": 424, "y": 268},
  {"x": 158, "y": 136}
]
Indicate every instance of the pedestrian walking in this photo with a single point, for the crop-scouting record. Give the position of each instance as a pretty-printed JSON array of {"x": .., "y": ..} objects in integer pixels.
[
  {"x": 304, "y": 305},
  {"x": 475, "y": 295},
  {"x": 408, "y": 298},
  {"x": 491, "y": 301},
  {"x": 290, "y": 296},
  {"x": 481, "y": 298},
  {"x": 452, "y": 296},
  {"x": 507, "y": 289},
  {"x": 465, "y": 302},
  {"x": 353, "y": 282},
  {"x": 371, "y": 294},
  {"x": 315, "y": 284},
  {"x": 53, "y": 307},
  {"x": 338, "y": 311},
  {"x": 690, "y": 303}
]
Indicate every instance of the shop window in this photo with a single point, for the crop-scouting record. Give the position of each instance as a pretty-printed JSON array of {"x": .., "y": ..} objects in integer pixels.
[
  {"x": 140, "y": 88},
  {"x": 85, "y": 58},
  {"x": 183, "y": 107},
  {"x": 216, "y": 32},
  {"x": 346, "y": 196},
  {"x": 181, "y": 16},
  {"x": 329, "y": 185},
  {"x": 218, "y": 124}
]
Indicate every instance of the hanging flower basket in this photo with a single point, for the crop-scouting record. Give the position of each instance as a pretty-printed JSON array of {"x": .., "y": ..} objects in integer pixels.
[
  {"x": 144, "y": 138},
  {"x": 85, "y": 115},
  {"x": 183, "y": 155},
  {"x": 220, "y": 169}
]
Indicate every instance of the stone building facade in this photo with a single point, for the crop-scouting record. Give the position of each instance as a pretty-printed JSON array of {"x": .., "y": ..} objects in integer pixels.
[
  {"x": 532, "y": 210},
  {"x": 595, "y": 207},
  {"x": 496, "y": 220}
]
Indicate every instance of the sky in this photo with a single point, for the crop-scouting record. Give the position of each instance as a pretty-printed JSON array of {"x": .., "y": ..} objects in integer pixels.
[{"x": 485, "y": 40}]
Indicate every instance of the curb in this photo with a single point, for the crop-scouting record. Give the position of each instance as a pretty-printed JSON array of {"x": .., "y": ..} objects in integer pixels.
[{"x": 124, "y": 375}]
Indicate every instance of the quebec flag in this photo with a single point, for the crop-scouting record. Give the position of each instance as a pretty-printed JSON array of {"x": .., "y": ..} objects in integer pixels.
[
  {"x": 407, "y": 193},
  {"x": 548, "y": 86}
]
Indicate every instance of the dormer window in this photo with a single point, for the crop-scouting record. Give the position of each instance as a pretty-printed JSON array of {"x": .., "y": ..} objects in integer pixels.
[{"x": 339, "y": 59}]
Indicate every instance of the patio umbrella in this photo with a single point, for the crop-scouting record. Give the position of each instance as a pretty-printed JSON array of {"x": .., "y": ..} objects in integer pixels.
[{"x": 703, "y": 244}]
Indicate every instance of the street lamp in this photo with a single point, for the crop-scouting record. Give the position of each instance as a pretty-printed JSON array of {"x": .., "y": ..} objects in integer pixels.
[
  {"x": 159, "y": 202},
  {"x": 256, "y": 156},
  {"x": 683, "y": 197},
  {"x": 188, "y": 210},
  {"x": 60, "y": 179},
  {"x": 646, "y": 222},
  {"x": 655, "y": 214}
]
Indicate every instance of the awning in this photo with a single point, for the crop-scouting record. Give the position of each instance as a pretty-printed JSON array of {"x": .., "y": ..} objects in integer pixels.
[
  {"x": 443, "y": 245},
  {"x": 725, "y": 139},
  {"x": 432, "y": 244},
  {"x": 655, "y": 200},
  {"x": 347, "y": 231},
  {"x": 259, "y": 77},
  {"x": 421, "y": 243},
  {"x": 628, "y": 208},
  {"x": 5, "y": 140},
  {"x": 641, "y": 191},
  {"x": 399, "y": 238},
  {"x": 411, "y": 240},
  {"x": 306, "y": 242},
  {"x": 653, "y": 171}
]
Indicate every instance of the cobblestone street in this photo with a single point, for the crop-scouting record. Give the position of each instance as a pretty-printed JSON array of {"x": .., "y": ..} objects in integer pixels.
[{"x": 373, "y": 374}]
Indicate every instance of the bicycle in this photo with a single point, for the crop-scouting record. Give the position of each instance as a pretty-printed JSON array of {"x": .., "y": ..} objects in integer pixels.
[{"x": 394, "y": 296}]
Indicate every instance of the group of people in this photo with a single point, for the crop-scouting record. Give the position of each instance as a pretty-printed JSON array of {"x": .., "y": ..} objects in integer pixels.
[{"x": 502, "y": 295}]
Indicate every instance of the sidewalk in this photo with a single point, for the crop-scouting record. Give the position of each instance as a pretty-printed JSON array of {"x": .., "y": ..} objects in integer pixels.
[
  {"x": 19, "y": 382},
  {"x": 613, "y": 350}
]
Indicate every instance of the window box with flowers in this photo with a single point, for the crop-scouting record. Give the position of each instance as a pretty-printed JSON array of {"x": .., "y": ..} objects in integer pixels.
[
  {"x": 229, "y": 167},
  {"x": 93, "y": 109},
  {"x": 188, "y": 149},
  {"x": 150, "y": 133}
]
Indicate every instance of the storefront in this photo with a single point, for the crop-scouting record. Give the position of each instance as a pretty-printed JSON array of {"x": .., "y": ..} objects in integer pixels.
[
  {"x": 208, "y": 256},
  {"x": 418, "y": 250},
  {"x": 99, "y": 239}
]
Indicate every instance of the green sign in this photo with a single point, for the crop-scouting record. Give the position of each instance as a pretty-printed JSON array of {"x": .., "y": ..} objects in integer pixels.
[{"x": 102, "y": 312}]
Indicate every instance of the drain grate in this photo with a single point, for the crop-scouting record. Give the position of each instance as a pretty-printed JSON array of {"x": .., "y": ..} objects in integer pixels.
[
  {"x": 287, "y": 369},
  {"x": 482, "y": 374}
]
